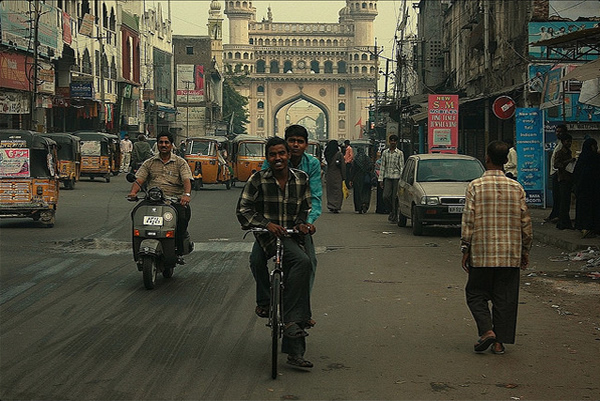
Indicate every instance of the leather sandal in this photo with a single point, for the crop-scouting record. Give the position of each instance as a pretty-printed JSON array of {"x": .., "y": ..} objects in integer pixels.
[
  {"x": 262, "y": 311},
  {"x": 297, "y": 360}
]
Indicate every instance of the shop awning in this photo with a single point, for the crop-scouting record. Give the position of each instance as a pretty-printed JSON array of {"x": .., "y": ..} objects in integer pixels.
[
  {"x": 585, "y": 72},
  {"x": 166, "y": 109}
]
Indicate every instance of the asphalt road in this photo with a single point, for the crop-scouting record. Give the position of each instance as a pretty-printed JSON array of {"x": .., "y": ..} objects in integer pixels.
[{"x": 77, "y": 323}]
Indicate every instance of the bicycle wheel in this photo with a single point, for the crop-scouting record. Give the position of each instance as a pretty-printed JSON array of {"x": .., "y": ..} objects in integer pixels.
[{"x": 275, "y": 323}]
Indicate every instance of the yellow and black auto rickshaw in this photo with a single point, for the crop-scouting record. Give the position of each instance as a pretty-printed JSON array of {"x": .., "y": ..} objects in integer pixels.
[
  {"x": 69, "y": 157},
  {"x": 247, "y": 155},
  {"x": 206, "y": 157},
  {"x": 100, "y": 154},
  {"x": 29, "y": 177}
]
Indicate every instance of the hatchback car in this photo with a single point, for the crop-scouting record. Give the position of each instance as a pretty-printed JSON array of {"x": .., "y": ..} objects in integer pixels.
[{"x": 432, "y": 189}]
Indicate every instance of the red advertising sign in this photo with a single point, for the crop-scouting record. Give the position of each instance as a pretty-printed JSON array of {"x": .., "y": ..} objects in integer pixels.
[
  {"x": 504, "y": 107},
  {"x": 443, "y": 124},
  {"x": 13, "y": 72},
  {"x": 14, "y": 162}
]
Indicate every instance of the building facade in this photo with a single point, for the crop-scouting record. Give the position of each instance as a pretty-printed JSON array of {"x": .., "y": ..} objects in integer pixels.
[{"x": 332, "y": 66}]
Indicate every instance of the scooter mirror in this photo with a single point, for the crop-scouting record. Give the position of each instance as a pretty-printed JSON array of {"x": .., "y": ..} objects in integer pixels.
[{"x": 130, "y": 177}]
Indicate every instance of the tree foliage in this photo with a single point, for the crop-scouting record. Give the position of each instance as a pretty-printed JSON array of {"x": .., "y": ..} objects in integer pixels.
[{"x": 234, "y": 103}]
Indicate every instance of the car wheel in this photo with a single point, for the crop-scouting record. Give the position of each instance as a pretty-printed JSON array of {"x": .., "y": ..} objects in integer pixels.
[
  {"x": 401, "y": 219},
  {"x": 417, "y": 226}
]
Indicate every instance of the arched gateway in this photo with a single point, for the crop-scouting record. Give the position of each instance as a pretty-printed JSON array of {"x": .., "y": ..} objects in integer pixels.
[{"x": 329, "y": 68}]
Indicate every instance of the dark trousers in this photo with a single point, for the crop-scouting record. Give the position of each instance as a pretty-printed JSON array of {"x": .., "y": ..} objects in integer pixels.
[
  {"x": 500, "y": 285},
  {"x": 184, "y": 214},
  {"x": 297, "y": 272},
  {"x": 555, "y": 197},
  {"x": 390, "y": 195},
  {"x": 564, "y": 218}
]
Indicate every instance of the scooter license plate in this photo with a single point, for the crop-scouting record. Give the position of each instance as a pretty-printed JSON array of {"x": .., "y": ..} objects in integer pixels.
[{"x": 153, "y": 220}]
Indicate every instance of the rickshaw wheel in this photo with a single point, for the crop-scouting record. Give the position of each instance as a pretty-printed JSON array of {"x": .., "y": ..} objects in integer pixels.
[
  {"x": 69, "y": 184},
  {"x": 228, "y": 184},
  {"x": 107, "y": 178},
  {"x": 197, "y": 184},
  {"x": 92, "y": 178}
]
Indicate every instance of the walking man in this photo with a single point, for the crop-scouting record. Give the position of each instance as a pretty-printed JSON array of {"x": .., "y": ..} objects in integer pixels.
[
  {"x": 562, "y": 161},
  {"x": 392, "y": 164},
  {"x": 495, "y": 241},
  {"x": 126, "y": 148},
  {"x": 553, "y": 217}
]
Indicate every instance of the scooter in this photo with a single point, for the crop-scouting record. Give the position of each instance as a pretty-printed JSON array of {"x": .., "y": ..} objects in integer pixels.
[{"x": 153, "y": 235}]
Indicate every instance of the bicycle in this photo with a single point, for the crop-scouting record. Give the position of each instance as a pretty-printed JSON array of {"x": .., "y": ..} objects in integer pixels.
[{"x": 275, "y": 320}]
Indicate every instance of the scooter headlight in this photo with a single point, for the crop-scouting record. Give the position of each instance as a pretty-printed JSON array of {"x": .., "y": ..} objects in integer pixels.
[{"x": 155, "y": 194}]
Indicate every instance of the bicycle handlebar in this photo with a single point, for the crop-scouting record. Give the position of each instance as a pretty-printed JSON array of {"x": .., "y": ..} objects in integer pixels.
[{"x": 264, "y": 230}]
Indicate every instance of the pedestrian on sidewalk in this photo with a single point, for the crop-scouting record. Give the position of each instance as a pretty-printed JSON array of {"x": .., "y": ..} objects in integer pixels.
[
  {"x": 392, "y": 164},
  {"x": 126, "y": 148},
  {"x": 564, "y": 162},
  {"x": 495, "y": 241},
  {"x": 586, "y": 181},
  {"x": 360, "y": 181},
  {"x": 335, "y": 176},
  {"x": 510, "y": 168},
  {"x": 553, "y": 217}
]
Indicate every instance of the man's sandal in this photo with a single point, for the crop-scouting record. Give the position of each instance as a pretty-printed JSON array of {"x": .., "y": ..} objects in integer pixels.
[
  {"x": 297, "y": 360},
  {"x": 262, "y": 311},
  {"x": 292, "y": 330}
]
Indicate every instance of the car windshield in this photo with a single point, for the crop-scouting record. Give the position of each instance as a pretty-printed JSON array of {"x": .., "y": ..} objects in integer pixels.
[{"x": 450, "y": 170}]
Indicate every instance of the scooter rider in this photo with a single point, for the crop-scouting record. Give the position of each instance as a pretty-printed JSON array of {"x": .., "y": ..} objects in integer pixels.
[{"x": 172, "y": 174}]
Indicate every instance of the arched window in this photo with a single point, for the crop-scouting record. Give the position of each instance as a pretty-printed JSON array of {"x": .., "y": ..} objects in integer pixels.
[
  {"x": 260, "y": 123},
  {"x": 261, "y": 66},
  {"x": 373, "y": 70},
  {"x": 287, "y": 66},
  {"x": 314, "y": 66},
  {"x": 238, "y": 55},
  {"x": 246, "y": 56},
  {"x": 335, "y": 42},
  {"x": 251, "y": 41},
  {"x": 281, "y": 42},
  {"x": 260, "y": 104},
  {"x": 328, "y": 42},
  {"x": 314, "y": 42},
  {"x": 301, "y": 42},
  {"x": 364, "y": 70},
  {"x": 363, "y": 57},
  {"x": 341, "y": 67},
  {"x": 113, "y": 20},
  {"x": 356, "y": 57},
  {"x": 356, "y": 70},
  {"x": 341, "y": 90},
  {"x": 230, "y": 55},
  {"x": 260, "y": 42},
  {"x": 294, "y": 42},
  {"x": 86, "y": 64},
  {"x": 342, "y": 106},
  {"x": 322, "y": 42},
  {"x": 274, "y": 67},
  {"x": 287, "y": 43},
  {"x": 260, "y": 89},
  {"x": 328, "y": 67},
  {"x": 267, "y": 42}
]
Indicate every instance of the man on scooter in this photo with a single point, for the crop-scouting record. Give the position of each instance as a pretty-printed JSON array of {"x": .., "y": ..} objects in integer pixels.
[{"x": 173, "y": 176}]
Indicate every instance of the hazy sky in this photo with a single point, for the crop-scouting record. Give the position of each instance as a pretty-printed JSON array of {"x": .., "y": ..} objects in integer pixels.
[{"x": 190, "y": 17}]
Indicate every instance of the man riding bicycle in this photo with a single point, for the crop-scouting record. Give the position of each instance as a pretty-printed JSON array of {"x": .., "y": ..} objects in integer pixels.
[{"x": 275, "y": 199}]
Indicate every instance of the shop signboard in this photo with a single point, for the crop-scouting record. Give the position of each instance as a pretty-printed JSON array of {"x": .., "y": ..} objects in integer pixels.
[
  {"x": 13, "y": 73},
  {"x": 530, "y": 153},
  {"x": 14, "y": 103},
  {"x": 443, "y": 123},
  {"x": 83, "y": 90}
]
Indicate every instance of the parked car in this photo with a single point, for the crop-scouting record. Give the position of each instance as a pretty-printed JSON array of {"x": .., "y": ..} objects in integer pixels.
[{"x": 432, "y": 189}]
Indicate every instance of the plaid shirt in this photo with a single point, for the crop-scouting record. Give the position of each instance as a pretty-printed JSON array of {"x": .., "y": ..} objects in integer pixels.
[
  {"x": 262, "y": 201},
  {"x": 392, "y": 164},
  {"x": 496, "y": 226},
  {"x": 167, "y": 176}
]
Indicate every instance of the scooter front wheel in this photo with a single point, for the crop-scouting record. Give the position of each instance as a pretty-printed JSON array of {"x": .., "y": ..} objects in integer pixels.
[{"x": 149, "y": 271}]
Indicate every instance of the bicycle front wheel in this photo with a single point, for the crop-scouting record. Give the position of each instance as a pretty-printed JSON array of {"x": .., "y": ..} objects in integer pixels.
[{"x": 275, "y": 321}]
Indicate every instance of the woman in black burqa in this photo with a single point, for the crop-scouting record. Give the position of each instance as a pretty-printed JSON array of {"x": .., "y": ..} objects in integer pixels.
[
  {"x": 586, "y": 180},
  {"x": 361, "y": 180},
  {"x": 336, "y": 174}
]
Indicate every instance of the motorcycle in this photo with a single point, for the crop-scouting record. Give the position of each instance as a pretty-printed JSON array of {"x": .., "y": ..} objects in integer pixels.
[{"x": 153, "y": 234}]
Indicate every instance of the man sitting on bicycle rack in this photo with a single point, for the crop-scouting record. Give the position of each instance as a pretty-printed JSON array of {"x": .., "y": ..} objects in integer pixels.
[{"x": 276, "y": 199}]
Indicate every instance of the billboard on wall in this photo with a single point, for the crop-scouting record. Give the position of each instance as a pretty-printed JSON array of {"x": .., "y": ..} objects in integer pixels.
[
  {"x": 539, "y": 31},
  {"x": 15, "y": 19},
  {"x": 442, "y": 123},
  {"x": 190, "y": 83},
  {"x": 530, "y": 153}
]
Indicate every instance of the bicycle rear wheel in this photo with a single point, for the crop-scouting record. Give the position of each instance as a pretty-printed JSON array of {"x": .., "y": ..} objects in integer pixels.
[{"x": 275, "y": 320}]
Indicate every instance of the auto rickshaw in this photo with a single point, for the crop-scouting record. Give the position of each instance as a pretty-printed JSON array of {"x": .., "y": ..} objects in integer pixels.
[
  {"x": 29, "y": 177},
  {"x": 206, "y": 159},
  {"x": 100, "y": 154},
  {"x": 248, "y": 155},
  {"x": 69, "y": 157}
]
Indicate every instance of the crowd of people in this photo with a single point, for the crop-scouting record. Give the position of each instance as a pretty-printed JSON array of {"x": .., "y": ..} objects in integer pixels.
[{"x": 579, "y": 176}]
